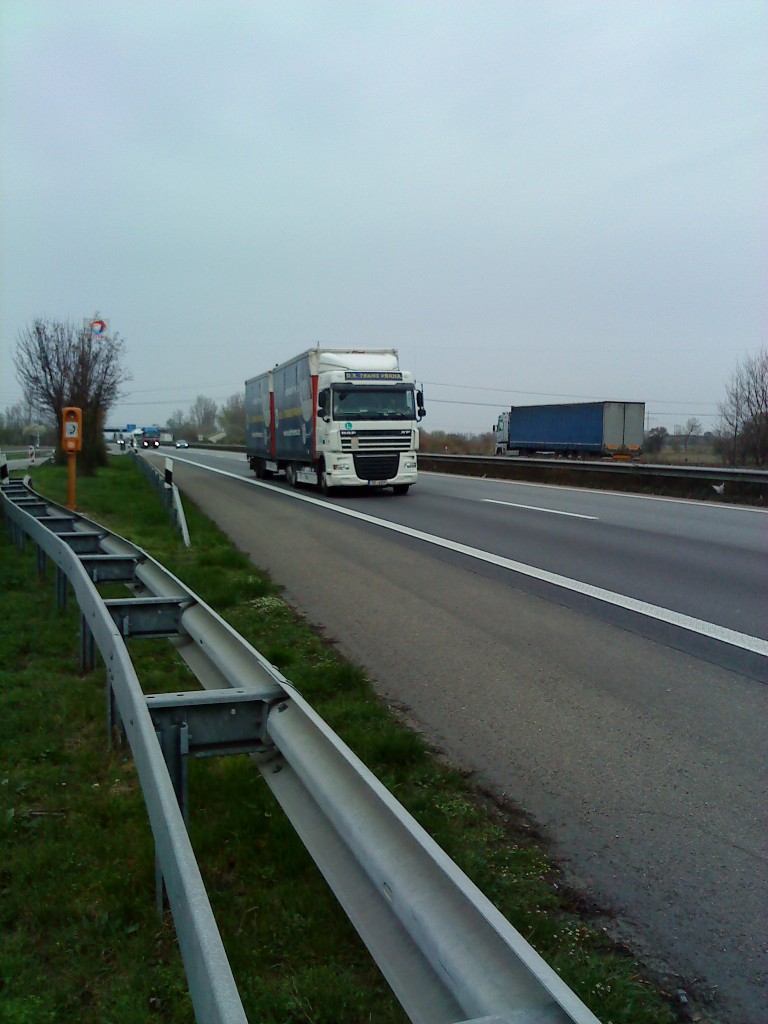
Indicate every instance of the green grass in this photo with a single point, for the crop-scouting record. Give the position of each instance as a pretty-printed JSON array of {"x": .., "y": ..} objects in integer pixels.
[{"x": 79, "y": 940}]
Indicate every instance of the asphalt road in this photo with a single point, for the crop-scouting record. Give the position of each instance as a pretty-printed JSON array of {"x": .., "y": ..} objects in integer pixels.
[{"x": 634, "y": 733}]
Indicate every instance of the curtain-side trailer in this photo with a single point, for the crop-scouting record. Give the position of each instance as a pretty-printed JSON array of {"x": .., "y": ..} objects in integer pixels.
[
  {"x": 573, "y": 429},
  {"x": 335, "y": 418}
]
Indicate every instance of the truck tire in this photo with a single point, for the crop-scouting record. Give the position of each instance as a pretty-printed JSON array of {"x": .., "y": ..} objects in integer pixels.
[
  {"x": 322, "y": 482},
  {"x": 400, "y": 488},
  {"x": 290, "y": 475}
]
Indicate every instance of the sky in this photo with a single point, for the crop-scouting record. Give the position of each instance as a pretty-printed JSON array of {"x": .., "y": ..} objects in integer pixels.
[{"x": 537, "y": 201}]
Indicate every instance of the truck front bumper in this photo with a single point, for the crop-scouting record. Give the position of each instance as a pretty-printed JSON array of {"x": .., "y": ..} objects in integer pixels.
[{"x": 343, "y": 469}]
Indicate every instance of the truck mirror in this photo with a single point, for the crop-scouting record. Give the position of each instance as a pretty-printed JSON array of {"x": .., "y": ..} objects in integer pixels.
[{"x": 422, "y": 412}]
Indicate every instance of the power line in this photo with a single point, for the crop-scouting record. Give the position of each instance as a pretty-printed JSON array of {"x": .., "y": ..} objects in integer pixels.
[
  {"x": 182, "y": 387},
  {"x": 550, "y": 394},
  {"x": 495, "y": 405}
]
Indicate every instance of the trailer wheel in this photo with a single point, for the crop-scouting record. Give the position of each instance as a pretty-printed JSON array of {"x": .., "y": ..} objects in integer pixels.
[{"x": 290, "y": 475}]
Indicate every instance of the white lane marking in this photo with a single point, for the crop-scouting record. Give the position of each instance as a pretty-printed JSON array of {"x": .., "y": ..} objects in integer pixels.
[
  {"x": 743, "y": 641},
  {"x": 535, "y": 508},
  {"x": 714, "y": 505}
]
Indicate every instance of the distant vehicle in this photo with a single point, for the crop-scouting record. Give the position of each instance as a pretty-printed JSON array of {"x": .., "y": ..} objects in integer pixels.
[
  {"x": 182, "y": 444},
  {"x": 149, "y": 437},
  {"x": 613, "y": 429}
]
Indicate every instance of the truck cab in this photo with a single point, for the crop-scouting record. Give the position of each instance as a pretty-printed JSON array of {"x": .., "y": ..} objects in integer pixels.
[
  {"x": 501, "y": 432},
  {"x": 367, "y": 430}
]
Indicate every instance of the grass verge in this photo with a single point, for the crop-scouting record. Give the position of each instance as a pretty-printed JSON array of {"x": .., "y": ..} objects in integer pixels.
[{"x": 79, "y": 940}]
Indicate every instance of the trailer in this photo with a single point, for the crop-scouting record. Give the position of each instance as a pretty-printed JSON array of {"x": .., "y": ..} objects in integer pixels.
[
  {"x": 601, "y": 429},
  {"x": 335, "y": 418}
]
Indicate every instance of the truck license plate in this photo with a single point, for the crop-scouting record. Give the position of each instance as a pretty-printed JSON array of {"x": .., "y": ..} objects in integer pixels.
[{"x": 377, "y": 483}]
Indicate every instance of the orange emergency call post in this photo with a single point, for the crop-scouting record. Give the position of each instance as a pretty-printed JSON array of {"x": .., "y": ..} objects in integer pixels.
[{"x": 72, "y": 443}]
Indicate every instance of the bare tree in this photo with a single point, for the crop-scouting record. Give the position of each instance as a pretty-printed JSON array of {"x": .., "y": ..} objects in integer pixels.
[
  {"x": 743, "y": 428},
  {"x": 178, "y": 423},
  {"x": 58, "y": 365},
  {"x": 692, "y": 427},
  {"x": 655, "y": 440},
  {"x": 12, "y": 425},
  {"x": 232, "y": 418},
  {"x": 203, "y": 415}
]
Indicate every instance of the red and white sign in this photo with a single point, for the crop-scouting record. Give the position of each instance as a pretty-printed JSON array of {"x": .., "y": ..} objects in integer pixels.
[{"x": 99, "y": 328}]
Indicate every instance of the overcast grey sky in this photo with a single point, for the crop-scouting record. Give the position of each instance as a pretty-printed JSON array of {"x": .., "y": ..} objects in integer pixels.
[{"x": 532, "y": 201}]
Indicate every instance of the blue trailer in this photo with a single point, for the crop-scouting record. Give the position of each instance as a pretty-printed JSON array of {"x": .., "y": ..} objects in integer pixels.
[{"x": 574, "y": 429}]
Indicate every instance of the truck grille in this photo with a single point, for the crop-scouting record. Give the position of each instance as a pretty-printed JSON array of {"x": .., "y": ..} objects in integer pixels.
[
  {"x": 376, "y": 441},
  {"x": 376, "y": 467}
]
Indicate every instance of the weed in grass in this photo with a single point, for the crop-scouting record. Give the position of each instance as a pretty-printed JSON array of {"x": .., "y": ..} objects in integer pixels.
[{"x": 78, "y": 937}]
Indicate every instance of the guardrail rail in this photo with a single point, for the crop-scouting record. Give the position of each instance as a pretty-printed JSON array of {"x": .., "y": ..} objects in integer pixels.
[
  {"x": 447, "y": 952},
  {"x": 168, "y": 491},
  {"x": 711, "y": 483}
]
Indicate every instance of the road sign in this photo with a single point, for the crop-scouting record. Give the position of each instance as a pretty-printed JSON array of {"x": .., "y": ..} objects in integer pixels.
[{"x": 98, "y": 328}]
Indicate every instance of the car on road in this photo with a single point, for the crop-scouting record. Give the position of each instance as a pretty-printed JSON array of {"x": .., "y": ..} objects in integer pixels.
[{"x": 182, "y": 444}]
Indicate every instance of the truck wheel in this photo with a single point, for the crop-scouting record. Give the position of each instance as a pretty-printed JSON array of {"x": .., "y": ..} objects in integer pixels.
[
  {"x": 400, "y": 488},
  {"x": 325, "y": 487},
  {"x": 260, "y": 469},
  {"x": 290, "y": 475}
]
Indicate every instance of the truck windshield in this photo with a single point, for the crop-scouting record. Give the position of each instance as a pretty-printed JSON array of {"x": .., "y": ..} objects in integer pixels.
[{"x": 373, "y": 403}]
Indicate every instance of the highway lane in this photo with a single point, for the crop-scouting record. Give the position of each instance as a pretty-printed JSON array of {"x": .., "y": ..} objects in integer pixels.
[
  {"x": 700, "y": 561},
  {"x": 644, "y": 763},
  {"x": 704, "y": 561}
]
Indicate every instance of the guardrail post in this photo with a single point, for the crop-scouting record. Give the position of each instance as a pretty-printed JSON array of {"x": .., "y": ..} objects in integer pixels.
[
  {"x": 61, "y": 587},
  {"x": 41, "y": 562},
  {"x": 173, "y": 738},
  {"x": 87, "y": 647}
]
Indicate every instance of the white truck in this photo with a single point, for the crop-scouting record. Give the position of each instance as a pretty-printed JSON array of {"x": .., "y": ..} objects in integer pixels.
[{"x": 335, "y": 418}]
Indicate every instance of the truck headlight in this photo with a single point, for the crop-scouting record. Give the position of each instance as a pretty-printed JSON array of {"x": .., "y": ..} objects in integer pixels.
[
  {"x": 340, "y": 467},
  {"x": 411, "y": 465}
]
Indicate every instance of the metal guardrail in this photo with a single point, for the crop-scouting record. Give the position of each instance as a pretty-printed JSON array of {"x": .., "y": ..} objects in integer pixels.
[
  {"x": 711, "y": 482},
  {"x": 168, "y": 491},
  {"x": 447, "y": 952},
  {"x": 711, "y": 473}
]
